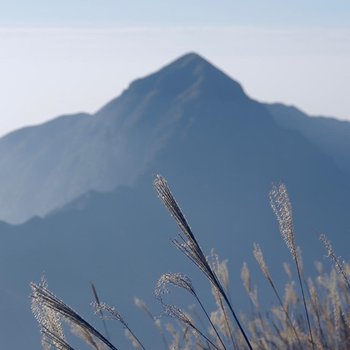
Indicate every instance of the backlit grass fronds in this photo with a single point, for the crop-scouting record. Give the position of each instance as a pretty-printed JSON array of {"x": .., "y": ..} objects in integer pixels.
[
  {"x": 189, "y": 246},
  {"x": 176, "y": 279},
  {"x": 336, "y": 260},
  {"x": 220, "y": 269},
  {"x": 84, "y": 335},
  {"x": 186, "y": 319},
  {"x": 182, "y": 281},
  {"x": 292, "y": 322},
  {"x": 46, "y": 300},
  {"x": 53, "y": 340},
  {"x": 220, "y": 317},
  {"x": 49, "y": 322},
  {"x": 252, "y": 292},
  {"x": 282, "y": 208},
  {"x": 156, "y": 320},
  {"x": 112, "y": 314},
  {"x": 258, "y": 254},
  {"x": 259, "y": 257},
  {"x": 97, "y": 300}
]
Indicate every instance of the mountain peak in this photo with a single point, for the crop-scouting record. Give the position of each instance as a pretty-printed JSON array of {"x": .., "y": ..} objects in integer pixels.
[
  {"x": 199, "y": 73},
  {"x": 188, "y": 75},
  {"x": 190, "y": 58}
]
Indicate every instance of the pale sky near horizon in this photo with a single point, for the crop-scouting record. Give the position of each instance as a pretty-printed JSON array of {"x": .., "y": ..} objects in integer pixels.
[{"x": 70, "y": 56}]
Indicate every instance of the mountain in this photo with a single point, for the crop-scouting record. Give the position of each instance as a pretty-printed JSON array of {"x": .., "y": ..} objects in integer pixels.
[
  {"x": 329, "y": 134},
  {"x": 220, "y": 151},
  {"x": 46, "y": 166}
]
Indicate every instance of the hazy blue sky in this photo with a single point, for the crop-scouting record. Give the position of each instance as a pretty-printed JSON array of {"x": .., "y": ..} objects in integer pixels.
[{"x": 66, "y": 56}]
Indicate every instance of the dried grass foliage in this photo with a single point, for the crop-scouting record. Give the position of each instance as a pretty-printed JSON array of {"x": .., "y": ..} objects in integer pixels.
[{"x": 310, "y": 313}]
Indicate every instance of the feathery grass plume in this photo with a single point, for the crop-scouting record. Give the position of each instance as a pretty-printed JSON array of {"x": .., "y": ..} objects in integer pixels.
[
  {"x": 135, "y": 344},
  {"x": 196, "y": 316},
  {"x": 258, "y": 254},
  {"x": 46, "y": 299},
  {"x": 113, "y": 314},
  {"x": 336, "y": 260},
  {"x": 317, "y": 308},
  {"x": 337, "y": 330},
  {"x": 156, "y": 321},
  {"x": 252, "y": 292},
  {"x": 182, "y": 281},
  {"x": 282, "y": 208},
  {"x": 142, "y": 305},
  {"x": 49, "y": 322},
  {"x": 175, "y": 344},
  {"x": 220, "y": 316},
  {"x": 287, "y": 270},
  {"x": 180, "y": 315},
  {"x": 220, "y": 269},
  {"x": 176, "y": 279},
  {"x": 97, "y": 300},
  {"x": 336, "y": 303},
  {"x": 259, "y": 257},
  {"x": 189, "y": 246},
  {"x": 52, "y": 339},
  {"x": 87, "y": 337}
]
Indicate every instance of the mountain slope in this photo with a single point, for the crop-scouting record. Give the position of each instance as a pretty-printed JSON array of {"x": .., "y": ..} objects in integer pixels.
[
  {"x": 44, "y": 167},
  {"x": 330, "y": 134},
  {"x": 220, "y": 151}
]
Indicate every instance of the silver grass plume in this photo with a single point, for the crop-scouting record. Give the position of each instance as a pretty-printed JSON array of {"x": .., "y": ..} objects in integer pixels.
[
  {"x": 50, "y": 323},
  {"x": 87, "y": 337},
  {"x": 252, "y": 292},
  {"x": 181, "y": 281},
  {"x": 336, "y": 260},
  {"x": 220, "y": 269},
  {"x": 259, "y": 256},
  {"x": 187, "y": 242},
  {"x": 133, "y": 341},
  {"x": 142, "y": 305},
  {"x": 180, "y": 315},
  {"x": 97, "y": 300},
  {"x": 113, "y": 314},
  {"x": 282, "y": 208},
  {"x": 46, "y": 299},
  {"x": 177, "y": 279},
  {"x": 189, "y": 246},
  {"x": 52, "y": 339},
  {"x": 220, "y": 317},
  {"x": 175, "y": 312}
]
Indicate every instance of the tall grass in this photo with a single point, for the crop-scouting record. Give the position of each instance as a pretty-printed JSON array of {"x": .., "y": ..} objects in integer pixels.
[{"x": 316, "y": 315}]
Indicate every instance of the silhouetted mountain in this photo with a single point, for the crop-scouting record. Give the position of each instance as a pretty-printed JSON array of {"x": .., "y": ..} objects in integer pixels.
[
  {"x": 44, "y": 167},
  {"x": 220, "y": 151},
  {"x": 330, "y": 134}
]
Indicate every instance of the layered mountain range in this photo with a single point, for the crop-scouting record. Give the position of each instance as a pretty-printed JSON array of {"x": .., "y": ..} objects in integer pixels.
[{"x": 81, "y": 187}]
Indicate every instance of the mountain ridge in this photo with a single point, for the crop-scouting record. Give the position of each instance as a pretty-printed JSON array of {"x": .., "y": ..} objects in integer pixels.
[
  {"x": 61, "y": 146},
  {"x": 220, "y": 155},
  {"x": 45, "y": 167}
]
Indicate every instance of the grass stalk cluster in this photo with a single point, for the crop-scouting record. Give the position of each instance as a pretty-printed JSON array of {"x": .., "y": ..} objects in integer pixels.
[{"x": 316, "y": 315}]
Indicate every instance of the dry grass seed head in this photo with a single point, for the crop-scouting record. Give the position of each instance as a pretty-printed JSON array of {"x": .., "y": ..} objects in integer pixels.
[
  {"x": 176, "y": 279},
  {"x": 282, "y": 208},
  {"x": 46, "y": 298}
]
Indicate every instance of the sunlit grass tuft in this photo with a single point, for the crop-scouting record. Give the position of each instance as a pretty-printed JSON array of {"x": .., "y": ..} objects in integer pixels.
[{"x": 316, "y": 317}]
